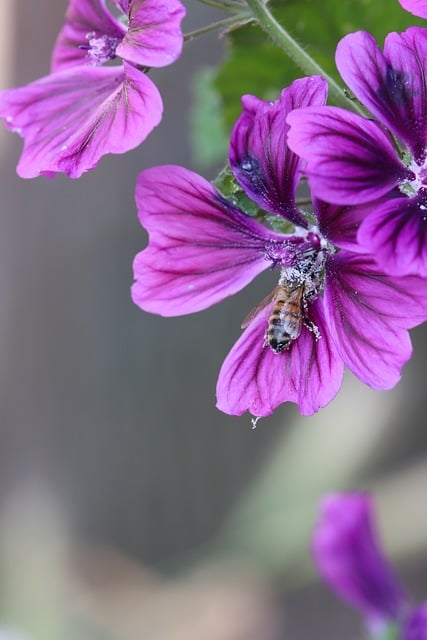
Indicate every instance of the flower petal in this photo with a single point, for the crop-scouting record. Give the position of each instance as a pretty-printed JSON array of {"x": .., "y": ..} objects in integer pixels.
[
  {"x": 123, "y": 5},
  {"x": 340, "y": 223},
  {"x": 349, "y": 558},
  {"x": 253, "y": 378},
  {"x": 350, "y": 159},
  {"x": 391, "y": 85},
  {"x": 415, "y": 627},
  {"x": 368, "y": 313},
  {"x": 259, "y": 156},
  {"x": 200, "y": 250},
  {"x": 70, "y": 119},
  {"x": 84, "y": 18},
  {"x": 417, "y": 7},
  {"x": 396, "y": 233},
  {"x": 154, "y": 37}
]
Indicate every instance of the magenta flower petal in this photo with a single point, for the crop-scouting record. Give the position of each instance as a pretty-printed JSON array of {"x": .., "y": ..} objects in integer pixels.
[
  {"x": 349, "y": 558},
  {"x": 259, "y": 156},
  {"x": 417, "y": 7},
  {"x": 396, "y": 233},
  {"x": 154, "y": 37},
  {"x": 123, "y": 5},
  {"x": 415, "y": 627},
  {"x": 390, "y": 84},
  {"x": 340, "y": 223},
  {"x": 368, "y": 314},
  {"x": 350, "y": 160},
  {"x": 85, "y": 19},
  {"x": 71, "y": 118},
  {"x": 200, "y": 249},
  {"x": 255, "y": 379}
]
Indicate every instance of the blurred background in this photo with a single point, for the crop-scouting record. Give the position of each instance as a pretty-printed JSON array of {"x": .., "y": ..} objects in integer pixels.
[{"x": 129, "y": 506}]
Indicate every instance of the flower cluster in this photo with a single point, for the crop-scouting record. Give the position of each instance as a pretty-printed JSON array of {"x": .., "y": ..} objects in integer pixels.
[
  {"x": 332, "y": 304},
  {"x": 348, "y": 275},
  {"x": 349, "y": 558},
  {"x": 84, "y": 109}
]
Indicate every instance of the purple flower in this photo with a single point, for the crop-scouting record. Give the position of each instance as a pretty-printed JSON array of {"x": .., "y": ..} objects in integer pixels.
[
  {"x": 329, "y": 307},
  {"x": 417, "y": 7},
  {"x": 353, "y": 160},
  {"x": 83, "y": 110},
  {"x": 415, "y": 626},
  {"x": 348, "y": 556}
]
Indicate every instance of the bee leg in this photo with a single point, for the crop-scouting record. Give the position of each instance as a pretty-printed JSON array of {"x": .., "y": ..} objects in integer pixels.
[{"x": 309, "y": 323}]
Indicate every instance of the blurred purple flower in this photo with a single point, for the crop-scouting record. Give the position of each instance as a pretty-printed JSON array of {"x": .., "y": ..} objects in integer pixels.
[
  {"x": 417, "y": 7},
  {"x": 83, "y": 110},
  {"x": 203, "y": 248},
  {"x": 353, "y": 160},
  {"x": 415, "y": 625},
  {"x": 349, "y": 558}
]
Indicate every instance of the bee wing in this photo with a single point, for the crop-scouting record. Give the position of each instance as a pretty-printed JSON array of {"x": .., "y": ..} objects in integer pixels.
[{"x": 259, "y": 307}]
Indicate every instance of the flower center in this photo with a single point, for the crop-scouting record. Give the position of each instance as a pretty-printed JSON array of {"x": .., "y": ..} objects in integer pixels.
[
  {"x": 302, "y": 262},
  {"x": 100, "y": 49},
  {"x": 411, "y": 187}
]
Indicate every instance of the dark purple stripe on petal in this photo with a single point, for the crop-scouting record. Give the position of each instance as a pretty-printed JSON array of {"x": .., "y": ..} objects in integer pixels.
[
  {"x": 259, "y": 156},
  {"x": 350, "y": 159},
  {"x": 70, "y": 119},
  {"x": 340, "y": 223},
  {"x": 255, "y": 379},
  {"x": 199, "y": 251},
  {"x": 392, "y": 85},
  {"x": 368, "y": 313},
  {"x": 396, "y": 233},
  {"x": 154, "y": 37}
]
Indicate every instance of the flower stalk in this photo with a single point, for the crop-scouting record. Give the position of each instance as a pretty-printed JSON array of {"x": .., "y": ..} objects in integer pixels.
[
  {"x": 302, "y": 59},
  {"x": 226, "y": 24}
]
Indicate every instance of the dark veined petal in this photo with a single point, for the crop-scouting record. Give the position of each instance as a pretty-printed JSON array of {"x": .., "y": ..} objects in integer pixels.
[
  {"x": 123, "y": 5},
  {"x": 154, "y": 37},
  {"x": 70, "y": 119},
  {"x": 255, "y": 379},
  {"x": 350, "y": 159},
  {"x": 259, "y": 156},
  {"x": 368, "y": 313},
  {"x": 349, "y": 558},
  {"x": 200, "y": 250},
  {"x": 415, "y": 627},
  {"x": 340, "y": 223},
  {"x": 392, "y": 84},
  {"x": 84, "y": 18},
  {"x": 417, "y": 7},
  {"x": 396, "y": 233}
]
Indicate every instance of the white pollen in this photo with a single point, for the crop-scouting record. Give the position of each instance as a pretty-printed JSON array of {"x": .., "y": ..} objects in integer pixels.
[
  {"x": 9, "y": 118},
  {"x": 64, "y": 147},
  {"x": 422, "y": 207},
  {"x": 190, "y": 287}
]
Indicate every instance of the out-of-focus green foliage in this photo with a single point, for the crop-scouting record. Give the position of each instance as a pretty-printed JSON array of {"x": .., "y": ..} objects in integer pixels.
[
  {"x": 209, "y": 136},
  {"x": 255, "y": 65}
]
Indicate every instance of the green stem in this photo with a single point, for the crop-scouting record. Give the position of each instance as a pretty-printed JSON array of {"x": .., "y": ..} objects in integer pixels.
[
  {"x": 222, "y": 4},
  {"x": 226, "y": 22},
  {"x": 301, "y": 58}
]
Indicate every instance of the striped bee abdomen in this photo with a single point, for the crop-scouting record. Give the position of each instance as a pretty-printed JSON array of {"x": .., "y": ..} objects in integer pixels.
[{"x": 286, "y": 318}]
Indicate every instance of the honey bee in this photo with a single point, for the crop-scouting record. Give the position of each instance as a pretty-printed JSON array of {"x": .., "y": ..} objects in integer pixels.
[{"x": 286, "y": 318}]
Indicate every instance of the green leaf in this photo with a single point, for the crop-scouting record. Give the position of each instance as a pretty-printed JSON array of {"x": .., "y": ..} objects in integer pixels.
[
  {"x": 209, "y": 141},
  {"x": 254, "y": 65}
]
